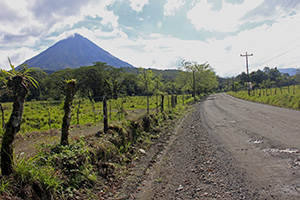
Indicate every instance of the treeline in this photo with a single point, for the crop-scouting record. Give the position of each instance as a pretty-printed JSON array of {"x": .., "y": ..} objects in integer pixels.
[
  {"x": 92, "y": 82},
  {"x": 260, "y": 79}
]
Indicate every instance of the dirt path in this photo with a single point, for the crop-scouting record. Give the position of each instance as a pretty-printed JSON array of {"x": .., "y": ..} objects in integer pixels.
[{"x": 224, "y": 149}]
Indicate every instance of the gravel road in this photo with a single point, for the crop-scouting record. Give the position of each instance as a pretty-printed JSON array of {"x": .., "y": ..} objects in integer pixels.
[
  {"x": 264, "y": 141},
  {"x": 225, "y": 148}
]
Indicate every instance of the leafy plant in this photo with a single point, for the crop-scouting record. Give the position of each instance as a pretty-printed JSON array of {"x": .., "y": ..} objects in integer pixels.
[{"x": 24, "y": 72}]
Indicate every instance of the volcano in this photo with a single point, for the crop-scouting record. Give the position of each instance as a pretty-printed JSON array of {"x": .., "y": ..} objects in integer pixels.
[{"x": 73, "y": 52}]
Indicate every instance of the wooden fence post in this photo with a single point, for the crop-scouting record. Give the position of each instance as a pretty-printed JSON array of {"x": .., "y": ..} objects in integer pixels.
[
  {"x": 162, "y": 102},
  {"x": 78, "y": 111},
  {"x": 105, "y": 120}
]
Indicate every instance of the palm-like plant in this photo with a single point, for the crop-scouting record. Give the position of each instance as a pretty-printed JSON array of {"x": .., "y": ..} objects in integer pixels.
[
  {"x": 17, "y": 83},
  {"x": 24, "y": 73}
]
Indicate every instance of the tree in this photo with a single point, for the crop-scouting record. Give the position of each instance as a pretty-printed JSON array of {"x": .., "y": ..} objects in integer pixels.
[
  {"x": 257, "y": 77},
  {"x": 158, "y": 88},
  {"x": 115, "y": 81},
  {"x": 188, "y": 77},
  {"x": 198, "y": 78},
  {"x": 208, "y": 81},
  {"x": 18, "y": 83},
  {"x": 70, "y": 90},
  {"x": 91, "y": 80},
  {"x": 146, "y": 83},
  {"x": 243, "y": 77},
  {"x": 53, "y": 86}
]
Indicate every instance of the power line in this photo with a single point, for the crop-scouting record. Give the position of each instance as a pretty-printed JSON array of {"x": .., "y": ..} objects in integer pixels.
[
  {"x": 275, "y": 19},
  {"x": 279, "y": 55},
  {"x": 291, "y": 7},
  {"x": 278, "y": 49},
  {"x": 280, "y": 14}
]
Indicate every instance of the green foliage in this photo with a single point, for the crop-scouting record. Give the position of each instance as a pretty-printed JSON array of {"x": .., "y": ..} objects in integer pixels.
[
  {"x": 29, "y": 171},
  {"x": 29, "y": 179},
  {"x": 24, "y": 72},
  {"x": 115, "y": 82},
  {"x": 197, "y": 78},
  {"x": 73, "y": 161},
  {"x": 266, "y": 78},
  {"x": 5, "y": 187},
  {"x": 35, "y": 116},
  {"x": 284, "y": 98},
  {"x": 91, "y": 81},
  {"x": 94, "y": 81},
  {"x": 146, "y": 80},
  {"x": 53, "y": 86}
]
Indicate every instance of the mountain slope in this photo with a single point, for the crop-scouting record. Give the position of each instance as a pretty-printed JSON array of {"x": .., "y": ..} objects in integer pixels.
[
  {"x": 290, "y": 71},
  {"x": 74, "y": 52}
]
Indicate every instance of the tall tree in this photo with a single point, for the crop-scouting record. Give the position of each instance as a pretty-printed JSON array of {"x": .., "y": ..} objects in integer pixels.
[
  {"x": 52, "y": 87},
  {"x": 91, "y": 80},
  {"x": 198, "y": 78},
  {"x": 115, "y": 81}
]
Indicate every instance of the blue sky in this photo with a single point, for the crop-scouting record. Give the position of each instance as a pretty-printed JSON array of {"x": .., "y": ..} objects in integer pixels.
[{"x": 159, "y": 33}]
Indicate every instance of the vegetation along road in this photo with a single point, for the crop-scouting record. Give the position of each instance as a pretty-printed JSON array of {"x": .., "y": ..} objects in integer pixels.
[{"x": 226, "y": 148}]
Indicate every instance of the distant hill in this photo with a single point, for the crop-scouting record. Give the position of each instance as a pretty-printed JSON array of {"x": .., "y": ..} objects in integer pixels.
[
  {"x": 290, "y": 71},
  {"x": 73, "y": 52}
]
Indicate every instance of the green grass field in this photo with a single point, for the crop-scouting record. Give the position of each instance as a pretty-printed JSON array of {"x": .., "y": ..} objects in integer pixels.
[
  {"x": 36, "y": 117},
  {"x": 287, "y": 97}
]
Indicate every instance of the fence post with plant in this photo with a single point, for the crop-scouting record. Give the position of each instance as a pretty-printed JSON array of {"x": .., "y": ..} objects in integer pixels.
[{"x": 67, "y": 108}]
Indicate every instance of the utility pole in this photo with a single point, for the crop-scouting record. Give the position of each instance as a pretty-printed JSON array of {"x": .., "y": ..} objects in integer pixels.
[{"x": 247, "y": 55}]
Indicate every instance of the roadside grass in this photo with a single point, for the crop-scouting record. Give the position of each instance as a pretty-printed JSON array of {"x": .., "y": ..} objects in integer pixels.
[
  {"x": 287, "y": 97},
  {"x": 90, "y": 166}
]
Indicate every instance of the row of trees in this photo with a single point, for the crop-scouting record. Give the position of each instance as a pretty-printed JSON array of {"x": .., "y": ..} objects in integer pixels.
[
  {"x": 97, "y": 82},
  {"x": 266, "y": 78},
  {"x": 94, "y": 81}
]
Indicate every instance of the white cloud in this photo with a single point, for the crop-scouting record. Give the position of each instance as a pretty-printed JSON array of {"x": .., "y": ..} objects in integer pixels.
[
  {"x": 17, "y": 56},
  {"x": 14, "y": 16},
  {"x": 138, "y": 5},
  {"x": 161, "y": 51},
  {"x": 172, "y": 6},
  {"x": 227, "y": 19},
  {"x": 98, "y": 9},
  {"x": 24, "y": 29}
]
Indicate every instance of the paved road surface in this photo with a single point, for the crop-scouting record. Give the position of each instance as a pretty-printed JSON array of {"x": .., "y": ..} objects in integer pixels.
[{"x": 263, "y": 140}]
